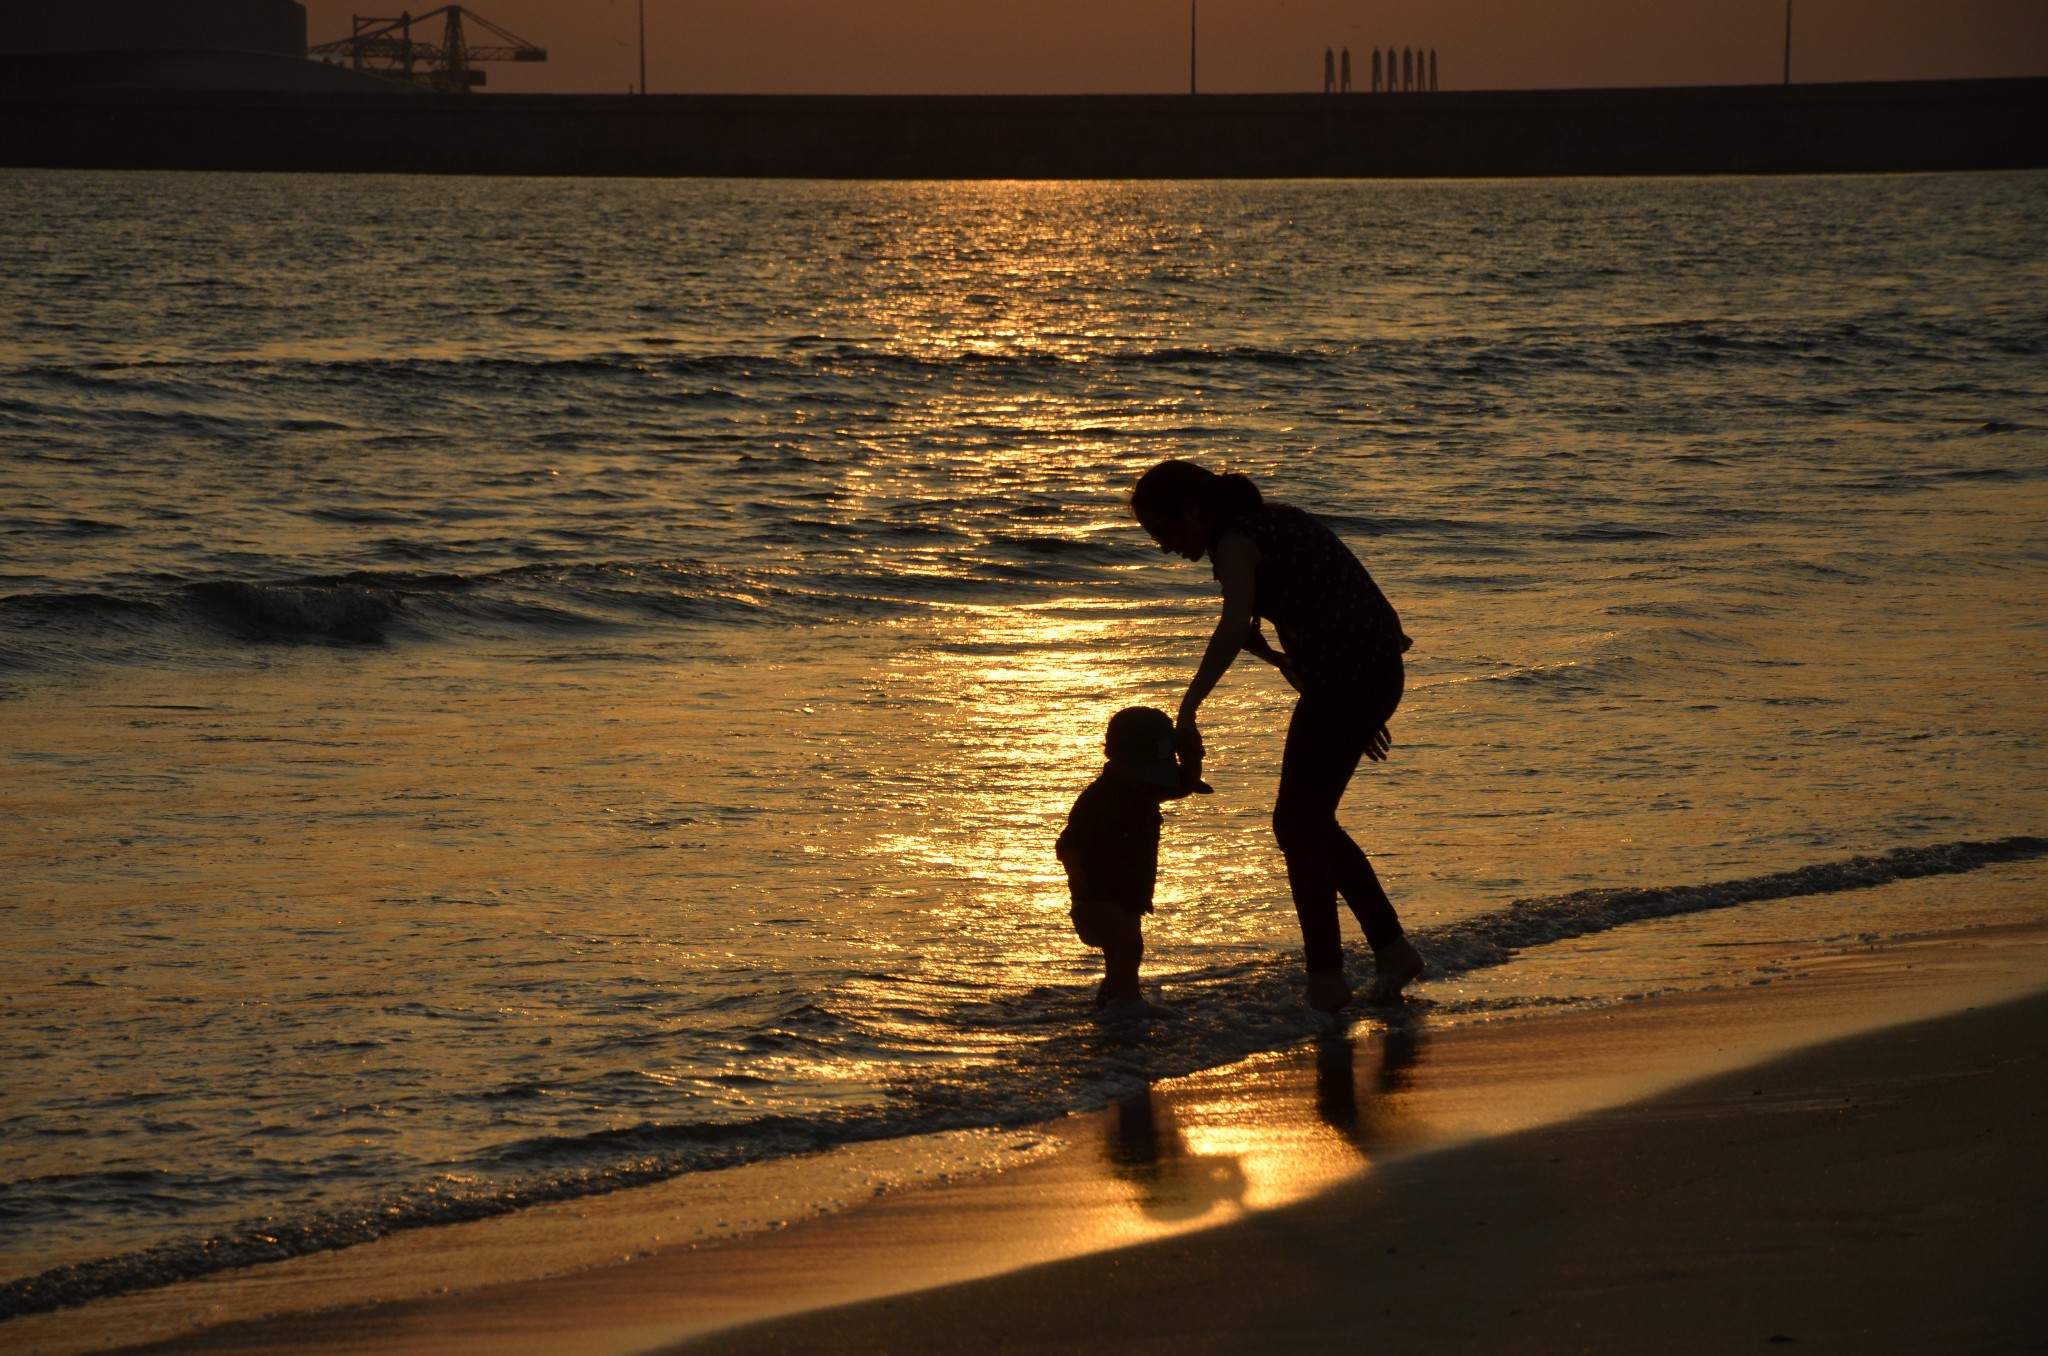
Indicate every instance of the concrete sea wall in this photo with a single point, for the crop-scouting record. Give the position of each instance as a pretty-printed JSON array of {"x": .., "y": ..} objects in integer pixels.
[{"x": 1770, "y": 129}]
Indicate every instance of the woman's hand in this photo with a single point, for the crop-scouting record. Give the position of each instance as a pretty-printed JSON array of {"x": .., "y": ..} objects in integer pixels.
[
  {"x": 1377, "y": 743},
  {"x": 1188, "y": 748},
  {"x": 1255, "y": 642}
]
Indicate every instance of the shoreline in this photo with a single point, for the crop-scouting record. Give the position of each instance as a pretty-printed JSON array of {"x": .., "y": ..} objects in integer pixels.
[
  {"x": 1880, "y": 1193},
  {"x": 1227, "y": 1151}
]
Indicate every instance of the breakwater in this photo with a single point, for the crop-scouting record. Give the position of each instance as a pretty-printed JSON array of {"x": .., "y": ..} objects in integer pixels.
[{"x": 1769, "y": 129}]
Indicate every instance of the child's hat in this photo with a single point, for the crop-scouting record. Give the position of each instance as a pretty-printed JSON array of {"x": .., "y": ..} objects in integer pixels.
[{"x": 1141, "y": 739}]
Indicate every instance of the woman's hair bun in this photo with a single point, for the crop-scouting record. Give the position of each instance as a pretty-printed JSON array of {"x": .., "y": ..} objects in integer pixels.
[{"x": 1236, "y": 494}]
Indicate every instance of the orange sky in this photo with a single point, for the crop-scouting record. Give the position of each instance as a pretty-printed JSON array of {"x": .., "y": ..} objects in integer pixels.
[{"x": 1073, "y": 46}]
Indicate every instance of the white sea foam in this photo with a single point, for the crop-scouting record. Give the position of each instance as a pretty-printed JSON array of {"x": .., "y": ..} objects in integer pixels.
[{"x": 1227, "y": 1015}]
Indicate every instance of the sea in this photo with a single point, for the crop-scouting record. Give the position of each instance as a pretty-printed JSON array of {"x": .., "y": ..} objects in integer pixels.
[{"x": 512, "y": 690}]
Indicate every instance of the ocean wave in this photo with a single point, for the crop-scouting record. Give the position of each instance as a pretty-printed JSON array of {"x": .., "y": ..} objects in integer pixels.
[
  {"x": 328, "y": 610},
  {"x": 1055, "y": 1064},
  {"x": 1094, "y": 551},
  {"x": 1597, "y": 532},
  {"x": 174, "y": 620},
  {"x": 223, "y": 394},
  {"x": 1493, "y": 938},
  {"x": 1257, "y": 355},
  {"x": 367, "y": 607},
  {"x": 64, "y": 606},
  {"x": 63, "y": 628},
  {"x": 1570, "y": 677},
  {"x": 719, "y": 375},
  {"x": 812, "y": 569}
]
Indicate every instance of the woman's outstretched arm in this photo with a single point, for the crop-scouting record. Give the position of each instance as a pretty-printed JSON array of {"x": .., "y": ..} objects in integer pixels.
[{"x": 1236, "y": 559}]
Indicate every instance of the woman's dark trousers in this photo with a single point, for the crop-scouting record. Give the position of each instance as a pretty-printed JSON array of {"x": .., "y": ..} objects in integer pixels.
[{"x": 1325, "y": 740}]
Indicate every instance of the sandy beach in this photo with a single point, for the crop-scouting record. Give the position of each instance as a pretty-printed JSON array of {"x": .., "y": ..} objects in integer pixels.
[
  {"x": 1880, "y": 1194},
  {"x": 1848, "y": 1159}
]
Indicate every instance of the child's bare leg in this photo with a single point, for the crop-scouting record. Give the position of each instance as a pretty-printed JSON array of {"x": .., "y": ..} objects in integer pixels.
[{"x": 1123, "y": 948}]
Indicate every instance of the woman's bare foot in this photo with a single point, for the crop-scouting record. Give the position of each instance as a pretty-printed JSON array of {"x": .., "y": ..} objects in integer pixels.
[
  {"x": 1392, "y": 968},
  {"x": 1328, "y": 990}
]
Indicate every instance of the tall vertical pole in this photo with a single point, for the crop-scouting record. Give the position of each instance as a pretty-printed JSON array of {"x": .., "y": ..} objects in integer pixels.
[
  {"x": 1191, "y": 44},
  {"x": 1788, "y": 41},
  {"x": 643, "y": 46}
]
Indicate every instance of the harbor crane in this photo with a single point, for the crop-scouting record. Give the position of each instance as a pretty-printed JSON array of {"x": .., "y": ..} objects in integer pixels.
[{"x": 387, "y": 47}]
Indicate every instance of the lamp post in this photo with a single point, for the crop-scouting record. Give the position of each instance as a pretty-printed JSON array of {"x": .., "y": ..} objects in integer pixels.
[
  {"x": 1191, "y": 44},
  {"x": 1788, "y": 41},
  {"x": 643, "y": 46}
]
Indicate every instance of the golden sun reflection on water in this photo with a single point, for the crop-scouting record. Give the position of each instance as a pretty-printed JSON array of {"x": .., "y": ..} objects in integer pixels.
[
  {"x": 1000, "y": 269},
  {"x": 1016, "y": 700},
  {"x": 1032, "y": 688}
]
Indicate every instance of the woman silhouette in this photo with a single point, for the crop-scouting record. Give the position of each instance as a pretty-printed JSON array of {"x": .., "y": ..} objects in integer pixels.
[{"x": 1341, "y": 650}]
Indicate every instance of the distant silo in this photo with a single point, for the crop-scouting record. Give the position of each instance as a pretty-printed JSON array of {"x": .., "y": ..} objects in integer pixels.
[{"x": 277, "y": 27}]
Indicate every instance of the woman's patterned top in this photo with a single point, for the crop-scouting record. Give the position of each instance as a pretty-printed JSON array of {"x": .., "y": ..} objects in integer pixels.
[{"x": 1338, "y": 629}]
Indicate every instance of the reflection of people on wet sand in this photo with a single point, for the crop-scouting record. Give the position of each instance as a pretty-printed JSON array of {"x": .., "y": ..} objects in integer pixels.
[
  {"x": 1342, "y": 652},
  {"x": 1110, "y": 848},
  {"x": 1368, "y": 1123},
  {"x": 1146, "y": 1148}
]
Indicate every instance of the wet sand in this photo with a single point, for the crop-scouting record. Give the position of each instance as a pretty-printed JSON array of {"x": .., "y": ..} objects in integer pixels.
[
  {"x": 1883, "y": 1194},
  {"x": 1848, "y": 1158}
]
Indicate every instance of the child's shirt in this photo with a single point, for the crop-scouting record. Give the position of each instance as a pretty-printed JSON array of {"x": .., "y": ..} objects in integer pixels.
[{"x": 1111, "y": 843}]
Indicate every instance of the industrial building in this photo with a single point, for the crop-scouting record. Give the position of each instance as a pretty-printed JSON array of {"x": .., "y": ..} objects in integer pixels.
[
  {"x": 166, "y": 45},
  {"x": 276, "y": 26}
]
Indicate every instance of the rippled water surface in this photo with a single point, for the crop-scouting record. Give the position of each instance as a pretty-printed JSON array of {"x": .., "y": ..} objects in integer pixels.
[{"x": 516, "y": 687}]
